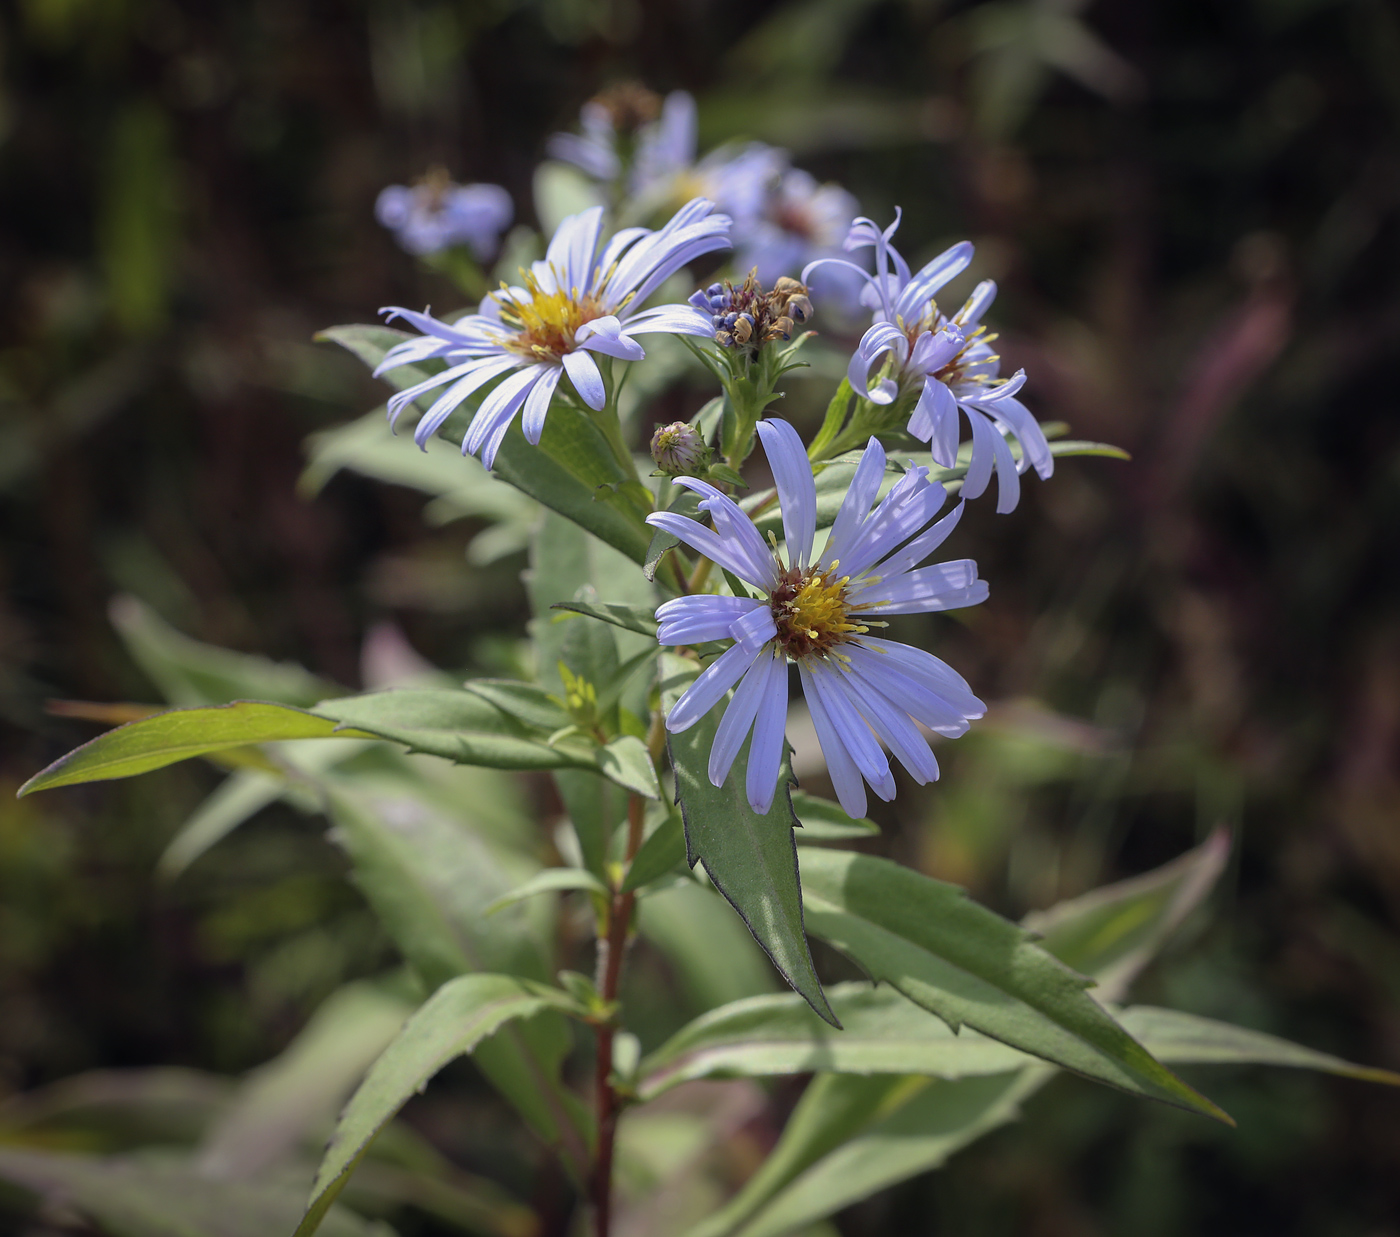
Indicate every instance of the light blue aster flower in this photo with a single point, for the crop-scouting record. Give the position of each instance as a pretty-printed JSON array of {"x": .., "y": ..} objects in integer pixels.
[
  {"x": 861, "y": 690},
  {"x": 435, "y": 214},
  {"x": 949, "y": 361},
  {"x": 582, "y": 299}
]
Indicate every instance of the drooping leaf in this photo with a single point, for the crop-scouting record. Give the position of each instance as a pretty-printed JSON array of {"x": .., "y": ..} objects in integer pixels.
[
  {"x": 1112, "y": 932},
  {"x": 163, "y": 1195},
  {"x": 629, "y": 618},
  {"x": 455, "y": 1020},
  {"x": 283, "y": 1102},
  {"x": 970, "y": 966},
  {"x": 824, "y": 821},
  {"x": 179, "y": 734},
  {"x": 752, "y": 859}
]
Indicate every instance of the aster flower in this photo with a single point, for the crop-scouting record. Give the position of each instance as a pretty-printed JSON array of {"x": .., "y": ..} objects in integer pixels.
[
  {"x": 578, "y": 302},
  {"x": 436, "y": 214},
  {"x": 861, "y": 690},
  {"x": 948, "y": 361}
]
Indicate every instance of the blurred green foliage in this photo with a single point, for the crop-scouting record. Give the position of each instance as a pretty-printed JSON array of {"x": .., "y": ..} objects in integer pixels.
[{"x": 1192, "y": 210}]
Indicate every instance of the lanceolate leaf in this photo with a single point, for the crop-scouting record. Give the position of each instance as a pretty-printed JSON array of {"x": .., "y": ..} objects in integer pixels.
[
  {"x": 970, "y": 966},
  {"x": 453, "y": 1022},
  {"x": 551, "y": 880},
  {"x": 663, "y": 851},
  {"x": 883, "y": 1033},
  {"x": 1187, "y": 1039},
  {"x": 752, "y": 859},
  {"x": 457, "y": 725},
  {"x": 1111, "y": 933},
  {"x": 530, "y": 704},
  {"x": 923, "y": 1122},
  {"x": 165, "y": 738}
]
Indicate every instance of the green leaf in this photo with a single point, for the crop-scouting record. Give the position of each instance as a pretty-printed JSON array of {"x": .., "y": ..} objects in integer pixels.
[
  {"x": 595, "y": 806},
  {"x": 284, "y": 1102},
  {"x": 752, "y": 859},
  {"x": 457, "y": 725},
  {"x": 714, "y": 957},
  {"x": 189, "y": 672},
  {"x": 914, "y": 1125},
  {"x": 629, "y": 618},
  {"x": 572, "y": 471},
  {"x": 626, "y": 761},
  {"x": 824, "y": 821},
  {"x": 239, "y": 796},
  {"x": 429, "y": 882},
  {"x": 835, "y": 418},
  {"x": 550, "y": 880},
  {"x": 882, "y": 1033},
  {"x": 970, "y": 966},
  {"x": 453, "y": 1023},
  {"x": 1076, "y": 446},
  {"x": 1188, "y": 1039},
  {"x": 661, "y": 852},
  {"x": 165, "y": 738},
  {"x": 525, "y": 701},
  {"x": 1112, "y": 932},
  {"x": 163, "y": 1195},
  {"x": 460, "y": 486}
]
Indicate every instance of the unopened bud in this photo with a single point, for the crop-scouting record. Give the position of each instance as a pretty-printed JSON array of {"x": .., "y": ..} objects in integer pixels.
[{"x": 678, "y": 449}]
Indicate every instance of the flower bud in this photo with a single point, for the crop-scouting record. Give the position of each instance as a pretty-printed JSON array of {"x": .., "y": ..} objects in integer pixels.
[{"x": 678, "y": 449}]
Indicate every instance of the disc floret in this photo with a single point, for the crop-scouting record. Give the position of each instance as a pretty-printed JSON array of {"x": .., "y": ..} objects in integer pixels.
[{"x": 812, "y": 612}]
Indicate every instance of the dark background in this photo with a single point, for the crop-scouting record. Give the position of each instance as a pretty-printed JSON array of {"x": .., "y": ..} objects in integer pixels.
[{"x": 1191, "y": 208}]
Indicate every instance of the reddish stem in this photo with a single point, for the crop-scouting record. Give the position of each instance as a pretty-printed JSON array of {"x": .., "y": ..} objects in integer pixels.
[{"x": 613, "y": 947}]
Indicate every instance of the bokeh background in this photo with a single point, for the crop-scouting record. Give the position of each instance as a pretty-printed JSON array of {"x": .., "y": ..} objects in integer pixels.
[{"x": 1192, "y": 211}]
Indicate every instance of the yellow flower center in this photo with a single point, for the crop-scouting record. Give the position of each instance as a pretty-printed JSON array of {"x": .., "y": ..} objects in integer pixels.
[
  {"x": 543, "y": 327},
  {"x": 952, "y": 371},
  {"x": 812, "y": 612}
]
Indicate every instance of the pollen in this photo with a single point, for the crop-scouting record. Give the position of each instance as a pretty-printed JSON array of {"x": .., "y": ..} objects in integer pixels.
[
  {"x": 813, "y": 613},
  {"x": 543, "y": 327}
]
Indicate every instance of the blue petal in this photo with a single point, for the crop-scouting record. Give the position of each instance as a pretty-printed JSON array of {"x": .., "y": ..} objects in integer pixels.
[
  {"x": 708, "y": 690},
  {"x": 588, "y": 382},
  {"x": 797, "y": 492}
]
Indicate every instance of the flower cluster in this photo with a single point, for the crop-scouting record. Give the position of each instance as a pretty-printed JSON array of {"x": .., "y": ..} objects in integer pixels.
[
  {"x": 819, "y": 612},
  {"x": 946, "y": 364},
  {"x": 434, "y": 214},
  {"x": 782, "y": 216},
  {"x": 582, "y": 301},
  {"x": 747, "y": 317}
]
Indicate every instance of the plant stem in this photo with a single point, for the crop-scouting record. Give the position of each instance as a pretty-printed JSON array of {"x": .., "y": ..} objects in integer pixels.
[{"x": 613, "y": 946}]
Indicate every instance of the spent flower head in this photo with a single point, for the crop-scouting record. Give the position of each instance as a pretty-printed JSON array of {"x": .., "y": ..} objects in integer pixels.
[{"x": 819, "y": 611}]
